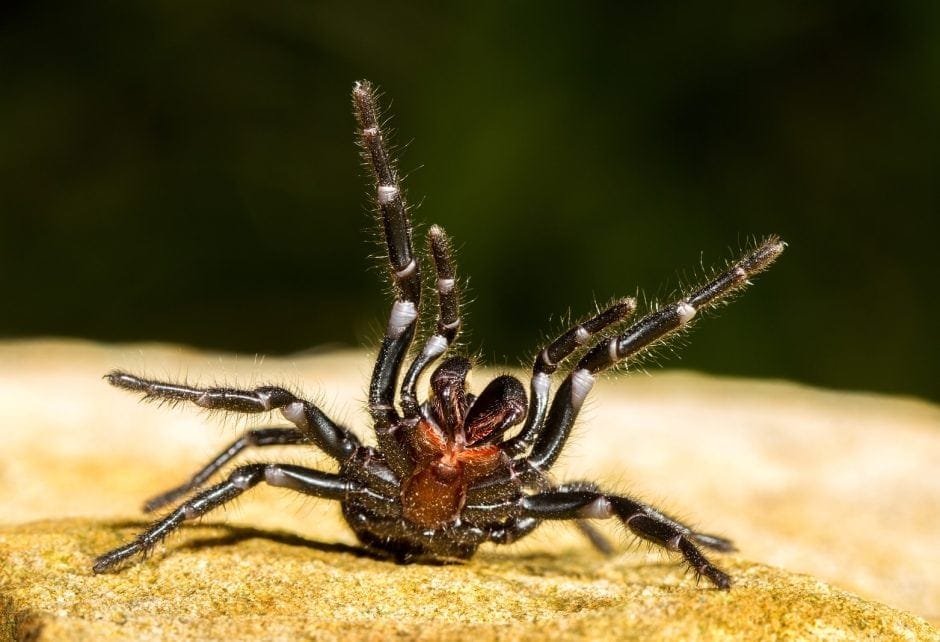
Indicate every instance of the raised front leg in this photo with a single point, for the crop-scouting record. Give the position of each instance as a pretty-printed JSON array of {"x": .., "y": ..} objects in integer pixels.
[
  {"x": 404, "y": 271},
  {"x": 448, "y": 320},
  {"x": 548, "y": 361},
  {"x": 643, "y": 334}
]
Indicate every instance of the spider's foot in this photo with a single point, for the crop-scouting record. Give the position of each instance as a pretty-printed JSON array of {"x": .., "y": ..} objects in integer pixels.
[
  {"x": 114, "y": 559},
  {"x": 701, "y": 566},
  {"x": 715, "y": 575}
]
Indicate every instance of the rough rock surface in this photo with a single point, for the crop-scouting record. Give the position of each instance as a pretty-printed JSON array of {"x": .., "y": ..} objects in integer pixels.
[
  {"x": 839, "y": 486},
  {"x": 240, "y": 584}
]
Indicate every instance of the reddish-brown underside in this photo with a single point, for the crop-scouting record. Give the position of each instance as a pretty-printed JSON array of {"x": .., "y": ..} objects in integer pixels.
[{"x": 435, "y": 492}]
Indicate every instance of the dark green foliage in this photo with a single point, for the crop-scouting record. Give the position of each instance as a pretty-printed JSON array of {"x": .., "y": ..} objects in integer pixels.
[{"x": 186, "y": 171}]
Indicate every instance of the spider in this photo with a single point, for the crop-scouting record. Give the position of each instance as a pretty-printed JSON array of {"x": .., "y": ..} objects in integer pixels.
[{"x": 449, "y": 473}]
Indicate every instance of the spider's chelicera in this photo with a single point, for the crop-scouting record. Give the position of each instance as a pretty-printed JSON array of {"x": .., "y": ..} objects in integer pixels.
[{"x": 448, "y": 473}]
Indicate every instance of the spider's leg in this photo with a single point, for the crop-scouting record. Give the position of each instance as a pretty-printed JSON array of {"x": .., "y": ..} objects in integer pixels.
[
  {"x": 514, "y": 530},
  {"x": 252, "y": 438},
  {"x": 597, "y": 539},
  {"x": 404, "y": 270},
  {"x": 641, "y": 335},
  {"x": 448, "y": 320},
  {"x": 495, "y": 498},
  {"x": 320, "y": 430},
  {"x": 298, "y": 478},
  {"x": 509, "y": 527},
  {"x": 548, "y": 361},
  {"x": 643, "y": 521}
]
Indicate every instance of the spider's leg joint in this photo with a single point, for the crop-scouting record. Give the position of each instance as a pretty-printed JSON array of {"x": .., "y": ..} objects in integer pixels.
[
  {"x": 541, "y": 382},
  {"x": 403, "y": 315},
  {"x": 294, "y": 413},
  {"x": 274, "y": 475},
  {"x": 244, "y": 481},
  {"x": 408, "y": 270},
  {"x": 264, "y": 398},
  {"x": 445, "y": 286},
  {"x": 581, "y": 335},
  {"x": 435, "y": 347},
  {"x": 612, "y": 353},
  {"x": 600, "y": 508},
  {"x": 387, "y": 193},
  {"x": 581, "y": 383},
  {"x": 685, "y": 311},
  {"x": 549, "y": 364}
]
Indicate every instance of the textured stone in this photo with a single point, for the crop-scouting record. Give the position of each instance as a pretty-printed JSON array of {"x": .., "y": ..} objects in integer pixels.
[
  {"x": 227, "y": 583},
  {"x": 841, "y": 486}
]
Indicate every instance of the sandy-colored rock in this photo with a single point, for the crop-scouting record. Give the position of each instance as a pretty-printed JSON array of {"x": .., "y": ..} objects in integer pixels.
[
  {"x": 221, "y": 583},
  {"x": 840, "y": 486}
]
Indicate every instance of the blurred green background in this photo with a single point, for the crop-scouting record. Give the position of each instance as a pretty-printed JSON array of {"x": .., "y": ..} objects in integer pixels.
[{"x": 186, "y": 172}]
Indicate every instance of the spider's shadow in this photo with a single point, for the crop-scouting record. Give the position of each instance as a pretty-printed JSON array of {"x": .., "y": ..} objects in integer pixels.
[{"x": 236, "y": 534}]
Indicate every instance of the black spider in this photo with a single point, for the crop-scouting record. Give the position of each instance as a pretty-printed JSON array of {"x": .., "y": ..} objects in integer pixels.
[{"x": 444, "y": 478}]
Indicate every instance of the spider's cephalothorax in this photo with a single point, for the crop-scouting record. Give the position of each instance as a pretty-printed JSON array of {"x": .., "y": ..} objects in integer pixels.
[{"x": 444, "y": 477}]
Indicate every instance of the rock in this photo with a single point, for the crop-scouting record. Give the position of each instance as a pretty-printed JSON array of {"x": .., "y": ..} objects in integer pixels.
[
  {"x": 833, "y": 484},
  {"x": 231, "y": 583}
]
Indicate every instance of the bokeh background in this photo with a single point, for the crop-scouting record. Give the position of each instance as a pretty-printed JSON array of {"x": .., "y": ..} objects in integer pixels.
[{"x": 186, "y": 172}]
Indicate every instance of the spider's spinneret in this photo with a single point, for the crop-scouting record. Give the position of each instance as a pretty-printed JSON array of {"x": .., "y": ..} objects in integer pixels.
[{"x": 450, "y": 473}]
